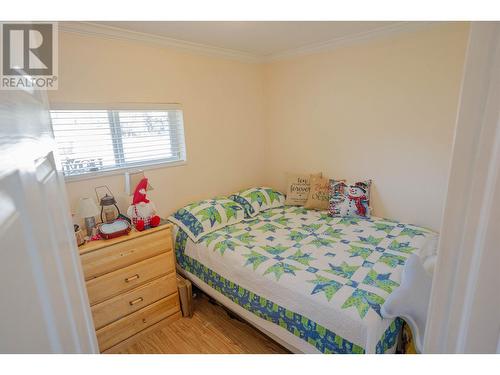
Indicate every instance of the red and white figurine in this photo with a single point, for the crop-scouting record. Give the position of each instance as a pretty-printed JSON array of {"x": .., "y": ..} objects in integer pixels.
[{"x": 142, "y": 212}]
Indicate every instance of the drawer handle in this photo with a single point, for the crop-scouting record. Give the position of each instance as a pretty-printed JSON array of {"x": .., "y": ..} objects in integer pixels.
[
  {"x": 131, "y": 278},
  {"x": 135, "y": 301}
]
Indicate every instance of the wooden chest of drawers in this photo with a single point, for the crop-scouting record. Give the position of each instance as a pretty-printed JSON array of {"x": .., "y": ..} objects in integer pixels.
[{"x": 131, "y": 284}]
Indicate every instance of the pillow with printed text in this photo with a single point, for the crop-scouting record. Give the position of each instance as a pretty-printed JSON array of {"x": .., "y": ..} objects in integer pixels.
[{"x": 298, "y": 187}]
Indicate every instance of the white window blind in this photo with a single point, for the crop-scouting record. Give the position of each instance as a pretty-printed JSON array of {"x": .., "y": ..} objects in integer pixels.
[{"x": 95, "y": 141}]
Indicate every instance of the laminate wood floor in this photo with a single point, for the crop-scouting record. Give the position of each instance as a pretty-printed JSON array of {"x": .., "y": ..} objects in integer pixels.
[{"x": 210, "y": 330}]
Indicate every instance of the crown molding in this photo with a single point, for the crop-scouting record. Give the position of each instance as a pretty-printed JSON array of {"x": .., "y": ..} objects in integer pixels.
[
  {"x": 330, "y": 45},
  {"x": 111, "y": 32}
]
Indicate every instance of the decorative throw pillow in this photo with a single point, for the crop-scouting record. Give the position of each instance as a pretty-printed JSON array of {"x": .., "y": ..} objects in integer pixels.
[
  {"x": 298, "y": 186},
  {"x": 258, "y": 199},
  {"x": 201, "y": 218},
  {"x": 350, "y": 199},
  {"x": 319, "y": 195}
]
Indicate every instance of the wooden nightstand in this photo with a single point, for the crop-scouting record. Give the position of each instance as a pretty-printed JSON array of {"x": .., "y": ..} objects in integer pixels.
[{"x": 131, "y": 284}]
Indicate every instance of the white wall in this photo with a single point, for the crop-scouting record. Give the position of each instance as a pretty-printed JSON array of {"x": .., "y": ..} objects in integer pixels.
[
  {"x": 383, "y": 110},
  {"x": 223, "y": 113}
]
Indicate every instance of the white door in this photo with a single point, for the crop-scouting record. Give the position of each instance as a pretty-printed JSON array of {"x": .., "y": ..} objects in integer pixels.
[
  {"x": 43, "y": 301},
  {"x": 464, "y": 313}
]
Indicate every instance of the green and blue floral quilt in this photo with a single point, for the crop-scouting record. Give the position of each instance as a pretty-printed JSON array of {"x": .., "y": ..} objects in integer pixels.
[{"x": 323, "y": 279}]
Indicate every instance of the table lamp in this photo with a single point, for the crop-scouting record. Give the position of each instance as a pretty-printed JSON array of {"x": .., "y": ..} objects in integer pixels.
[
  {"x": 88, "y": 210},
  {"x": 132, "y": 179}
]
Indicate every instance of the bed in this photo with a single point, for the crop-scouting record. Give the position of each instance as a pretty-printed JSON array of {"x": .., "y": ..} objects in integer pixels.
[{"x": 312, "y": 282}]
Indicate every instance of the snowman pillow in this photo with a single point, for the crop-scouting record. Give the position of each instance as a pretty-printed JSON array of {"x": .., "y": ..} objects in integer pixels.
[{"x": 350, "y": 199}]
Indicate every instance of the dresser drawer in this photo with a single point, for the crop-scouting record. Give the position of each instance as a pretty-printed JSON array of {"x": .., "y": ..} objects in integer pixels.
[
  {"x": 122, "y": 329},
  {"x": 125, "y": 279},
  {"x": 124, "y": 253},
  {"x": 117, "y": 307}
]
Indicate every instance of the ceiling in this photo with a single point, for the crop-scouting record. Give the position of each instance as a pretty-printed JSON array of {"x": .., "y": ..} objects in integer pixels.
[{"x": 260, "y": 39}]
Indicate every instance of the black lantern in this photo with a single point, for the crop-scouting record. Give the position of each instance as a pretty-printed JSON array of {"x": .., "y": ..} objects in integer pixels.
[{"x": 108, "y": 206}]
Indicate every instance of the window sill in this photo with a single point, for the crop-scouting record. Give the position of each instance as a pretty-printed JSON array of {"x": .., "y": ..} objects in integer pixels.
[{"x": 118, "y": 171}]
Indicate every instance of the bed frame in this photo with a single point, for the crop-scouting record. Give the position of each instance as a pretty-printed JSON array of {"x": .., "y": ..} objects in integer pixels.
[{"x": 286, "y": 339}]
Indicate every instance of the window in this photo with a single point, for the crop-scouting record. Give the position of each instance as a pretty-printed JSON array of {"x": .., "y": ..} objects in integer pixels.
[{"x": 91, "y": 141}]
